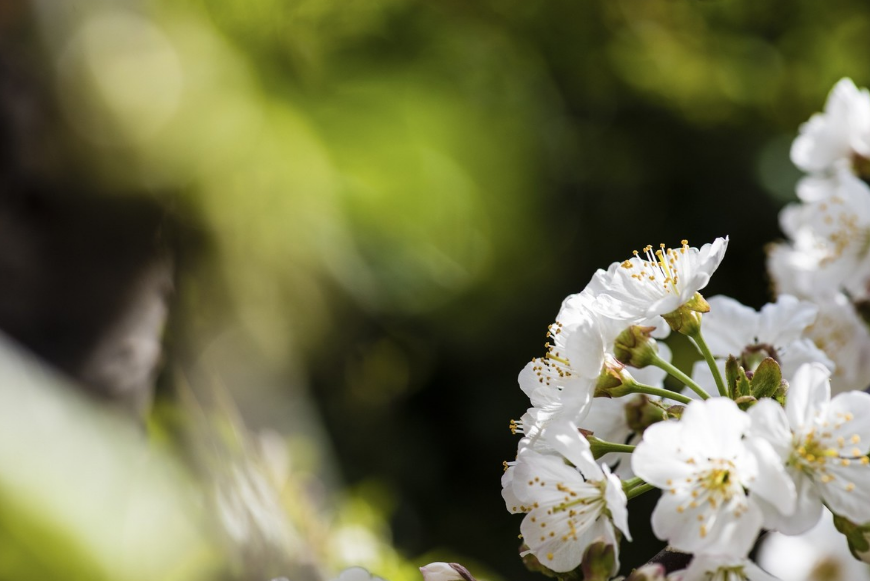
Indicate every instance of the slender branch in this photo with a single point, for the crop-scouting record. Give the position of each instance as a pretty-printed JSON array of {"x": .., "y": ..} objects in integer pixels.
[
  {"x": 679, "y": 375},
  {"x": 601, "y": 447},
  {"x": 638, "y": 490},
  {"x": 632, "y": 482},
  {"x": 666, "y": 393},
  {"x": 711, "y": 362}
]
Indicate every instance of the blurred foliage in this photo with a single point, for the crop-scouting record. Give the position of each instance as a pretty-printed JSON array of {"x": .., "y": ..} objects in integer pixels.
[{"x": 380, "y": 204}]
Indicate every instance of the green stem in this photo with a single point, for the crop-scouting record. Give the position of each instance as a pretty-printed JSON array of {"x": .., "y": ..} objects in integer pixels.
[
  {"x": 675, "y": 372},
  {"x": 632, "y": 482},
  {"x": 638, "y": 490},
  {"x": 711, "y": 362},
  {"x": 650, "y": 390},
  {"x": 600, "y": 447}
]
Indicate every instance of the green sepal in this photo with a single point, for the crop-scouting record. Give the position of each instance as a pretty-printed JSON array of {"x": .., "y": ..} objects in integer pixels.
[
  {"x": 599, "y": 562},
  {"x": 744, "y": 386},
  {"x": 857, "y": 537},
  {"x": 731, "y": 376},
  {"x": 767, "y": 379},
  {"x": 642, "y": 412}
]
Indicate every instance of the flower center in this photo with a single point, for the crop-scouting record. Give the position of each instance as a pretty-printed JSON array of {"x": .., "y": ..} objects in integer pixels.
[
  {"x": 817, "y": 451},
  {"x": 753, "y": 355},
  {"x": 660, "y": 269}
]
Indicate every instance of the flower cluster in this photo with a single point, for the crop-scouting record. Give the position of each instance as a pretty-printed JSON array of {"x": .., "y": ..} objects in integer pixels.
[{"x": 755, "y": 441}]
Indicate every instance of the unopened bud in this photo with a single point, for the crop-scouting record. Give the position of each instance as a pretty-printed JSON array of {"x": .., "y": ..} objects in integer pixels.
[
  {"x": 614, "y": 380},
  {"x": 440, "y": 571},
  {"x": 641, "y": 413},
  {"x": 648, "y": 572},
  {"x": 599, "y": 562},
  {"x": 636, "y": 347}
]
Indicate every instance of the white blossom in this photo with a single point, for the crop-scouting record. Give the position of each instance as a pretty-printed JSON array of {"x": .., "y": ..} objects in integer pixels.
[
  {"x": 820, "y": 554},
  {"x": 837, "y": 135},
  {"x": 703, "y": 468},
  {"x": 823, "y": 443},
  {"x": 440, "y": 571},
  {"x": 656, "y": 282},
  {"x": 568, "y": 507},
  {"x": 776, "y": 331},
  {"x": 357, "y": 574},
  {"x": 710, "y": 567},
  {"x": 828, "y": 248}
]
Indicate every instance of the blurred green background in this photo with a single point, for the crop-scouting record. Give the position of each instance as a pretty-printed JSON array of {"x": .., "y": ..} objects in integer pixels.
[{"x": 372, "y": 210}]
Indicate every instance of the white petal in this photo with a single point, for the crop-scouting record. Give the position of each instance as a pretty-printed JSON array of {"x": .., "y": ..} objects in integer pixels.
[
  {"x": 808, "y": 508},
  {"x": 849, "y": 413},
  {"x": 566, "y": 439},
  {"x": 717, "y": 426},
  {"x": 808, "y": 391},
  {"x": 770, "y": 423},
  {"x": 784, "y": 321},
  {"x": 848, "y": 494},
  {"x": 659, "y": 459},
  {"x": 729, "y": 326},
  {"x": 617, "y": 503},
  {"x": 772, "y": 483}
]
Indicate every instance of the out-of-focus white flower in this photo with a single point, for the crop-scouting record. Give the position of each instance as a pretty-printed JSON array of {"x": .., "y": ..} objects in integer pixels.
[
  {"x": 568, "y": 508},
  {"x": 820, "y": 554},
  {"x": 824, "y": 444},
  {"x": 708, "y": 567},
  {"x": 357, "y": 574},
  {"x": 656, "y": 282},
  {"x": 829, "y": 237},
  {"x": 703, "y": 468},
  {"x": 441, "y": 571},
  {"x": 844, "y": 337},
  {"x": 837, "y": 135},
  {"x": 731, "y": 328}
]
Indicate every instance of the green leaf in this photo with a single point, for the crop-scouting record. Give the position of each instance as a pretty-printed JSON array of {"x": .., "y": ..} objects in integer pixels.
[
  {"x": 767, "y": 378},
  {"x": 731, "y": 376}
]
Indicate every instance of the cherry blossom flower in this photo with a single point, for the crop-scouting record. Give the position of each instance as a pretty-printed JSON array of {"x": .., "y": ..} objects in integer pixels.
[
  {"x": 704, "y": 468},
  {"x": 567, "y": 508},
  {"x": 839, "y": 134},
  {"x": 655, "y": 283},
  {"x": 709, "y": 567},
  {"x": 828, "y": 248},
  {"x": 820, "y": 554},
  {"x": 776, "y": 331},
  {"x": 824, "y": 443},
  {"x": 357, "y": 574},
  {"x": 440, "y": 571}
]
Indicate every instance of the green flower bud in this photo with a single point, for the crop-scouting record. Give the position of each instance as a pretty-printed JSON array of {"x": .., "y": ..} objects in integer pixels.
[
  {"x": 648, "y": 572},
  {"x": 636, "y": 347},
  {"x": 599, "y": 562},
  {"x": 612, "y": 379},
  {"x": 641, "y": 413}
]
